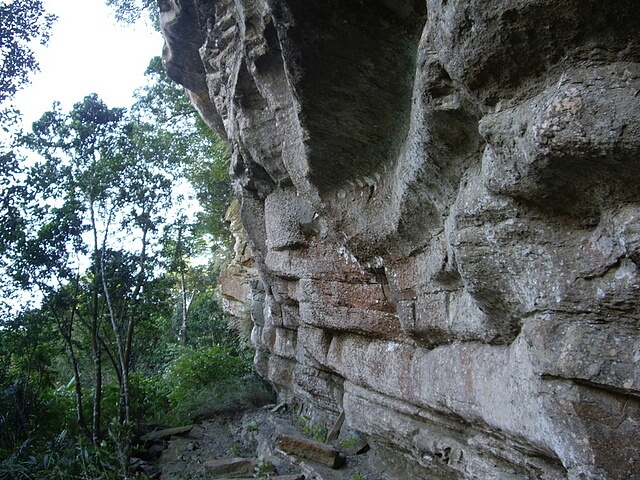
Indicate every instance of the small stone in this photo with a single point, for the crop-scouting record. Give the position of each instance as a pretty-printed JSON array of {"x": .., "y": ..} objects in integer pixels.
[
  {"x": 311, "y": 450},
  {"x": 166, "y": 433},
  {"x": 236, "y": 466},
  {"x": 278, "y": 408},
  {"x": 335, "y": 430}
]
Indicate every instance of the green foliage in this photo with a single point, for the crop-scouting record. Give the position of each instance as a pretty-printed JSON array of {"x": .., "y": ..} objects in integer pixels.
[
  {"x": 71, "y": 458},
  {"x": 318, "y": 431},
  {"x": 349, "y": 442},
  {"x": 210, "y": 179},
  {"x": 209, "y": 380},
  {"x": 130, "y": 11},
  {"x": 11, "y": 222},
  {"x": 202, "y": 368},
  {"x": 45, "y": 410},
  {"x": 151, "y": 397},
  {"x": 105, "y": 174},
  {"x": 23, "y": 22},
  {"x": 163, "y": 101},
  {"x": 230, "y": 395},
  {"x": 195, "y": 384},
  {"x": 27, "y": 378},
  {"x": 81, "y": 179},
  {"x": 252, "y": 427},
  {"x": 208, "y": 323},
  {"x": 264, "y": 470},
  {"x": 89, "y": 229},
  {"x": 110, "y": 400},
  {"x": 206, "y": 157}
]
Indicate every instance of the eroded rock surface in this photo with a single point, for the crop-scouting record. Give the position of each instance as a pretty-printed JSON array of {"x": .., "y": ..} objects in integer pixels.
[{"x": 443, "y": 201}]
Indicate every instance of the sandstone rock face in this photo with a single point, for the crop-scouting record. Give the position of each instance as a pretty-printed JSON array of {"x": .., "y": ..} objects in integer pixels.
[
  {"x": 443, "y": 201},
  {"x": 241, "y": 291}
]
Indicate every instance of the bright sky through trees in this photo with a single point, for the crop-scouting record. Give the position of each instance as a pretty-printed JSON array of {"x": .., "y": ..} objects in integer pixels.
[
  {"x": 88, "y": 52},
  {"x": 106, "y": 203}
]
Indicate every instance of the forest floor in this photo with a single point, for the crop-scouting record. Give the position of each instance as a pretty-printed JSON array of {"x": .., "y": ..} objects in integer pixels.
[{"x": 256, "y": 436}]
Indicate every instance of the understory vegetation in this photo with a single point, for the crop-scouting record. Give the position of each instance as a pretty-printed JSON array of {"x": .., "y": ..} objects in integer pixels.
[{"x": 111, "y": 241}]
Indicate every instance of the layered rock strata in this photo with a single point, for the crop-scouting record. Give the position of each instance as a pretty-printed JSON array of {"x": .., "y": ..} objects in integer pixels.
[{"x": 443, "y": 201}]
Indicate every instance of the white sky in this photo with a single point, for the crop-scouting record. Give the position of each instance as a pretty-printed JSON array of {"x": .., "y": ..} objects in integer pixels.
[{"x": 88, "y": 52}]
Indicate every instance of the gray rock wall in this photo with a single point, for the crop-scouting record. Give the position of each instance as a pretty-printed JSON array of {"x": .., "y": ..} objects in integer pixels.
[{"x": 443, "y": 201}]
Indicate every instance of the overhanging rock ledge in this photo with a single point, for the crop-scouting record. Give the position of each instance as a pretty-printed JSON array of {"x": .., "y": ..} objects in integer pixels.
[{"x": 443, "y": 201}]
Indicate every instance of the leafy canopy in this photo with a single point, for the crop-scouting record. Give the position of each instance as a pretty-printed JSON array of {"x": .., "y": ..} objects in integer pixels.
[
  {"x": 130, "y": 11},
  {"x": 23, "y": 22}
]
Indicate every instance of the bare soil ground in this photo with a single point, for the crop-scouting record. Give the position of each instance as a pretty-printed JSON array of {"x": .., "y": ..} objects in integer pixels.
[{"x": 251, "y": 434}]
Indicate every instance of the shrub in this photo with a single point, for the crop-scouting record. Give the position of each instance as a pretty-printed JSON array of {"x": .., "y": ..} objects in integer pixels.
[
  {"x": 226, "y": 396},
  {"x": 318, "y": 431},
  {"x": 67, "y": 457},
  {"x": 150, "y": 395},
  {"x": 48, "y": 411},
  {"x": 203, "y": 368},
  {"x": 210, "y": 380}
]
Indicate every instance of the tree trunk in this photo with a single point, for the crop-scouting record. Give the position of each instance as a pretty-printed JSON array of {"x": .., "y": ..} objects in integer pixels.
[
  {"x": 78, "y": 392},
  {"x": 97, "y": 370},
  {"x": 95, "y": 342},
  {"x": 123, "y": 375},
  {"x": 131, "y": 323},
  {"x": 80, "y": 420},
  {"x": 21, "y": 407},
  {"x": 67, "y": 334},
  {"x": 182, "y": 331}
]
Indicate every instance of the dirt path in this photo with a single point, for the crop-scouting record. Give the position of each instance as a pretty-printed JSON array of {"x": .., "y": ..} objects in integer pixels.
[{"x": 257, "y": 434}]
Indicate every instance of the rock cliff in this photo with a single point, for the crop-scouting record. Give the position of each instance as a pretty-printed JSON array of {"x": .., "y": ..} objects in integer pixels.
[{"x": 443, "y": 202}]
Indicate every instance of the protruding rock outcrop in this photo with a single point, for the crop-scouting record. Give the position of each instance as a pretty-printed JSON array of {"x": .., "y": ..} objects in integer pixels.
[{"x": 443, "y": 201}]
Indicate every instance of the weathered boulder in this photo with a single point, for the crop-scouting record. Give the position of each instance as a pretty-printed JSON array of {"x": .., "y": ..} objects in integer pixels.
[
  {"x": 442, "y": 199},
  {"x": 289, "y": 441}
]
